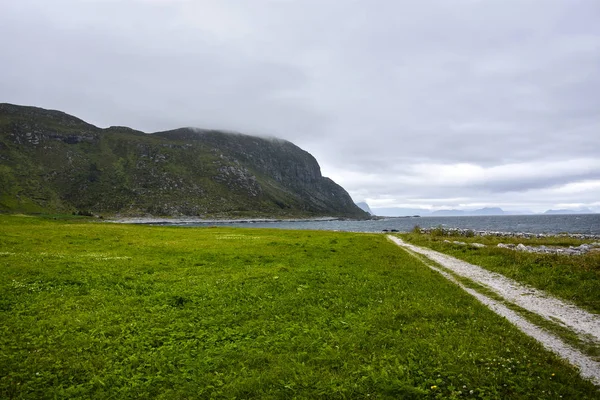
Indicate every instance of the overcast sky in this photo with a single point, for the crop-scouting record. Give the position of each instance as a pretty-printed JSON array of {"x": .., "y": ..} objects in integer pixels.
[{"x": 405, "y": 103}]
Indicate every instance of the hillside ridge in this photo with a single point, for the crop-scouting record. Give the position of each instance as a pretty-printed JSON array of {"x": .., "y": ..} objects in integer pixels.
[{"x": 51, "y": 161}]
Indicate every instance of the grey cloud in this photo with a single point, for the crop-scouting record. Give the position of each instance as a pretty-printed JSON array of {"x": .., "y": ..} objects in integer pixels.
[
  {"x": 366, "y": 86},
  {"x": 154, "y": 88}
]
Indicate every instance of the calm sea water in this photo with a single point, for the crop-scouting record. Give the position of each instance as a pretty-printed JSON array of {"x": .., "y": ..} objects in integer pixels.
[{"x": 587, "y": 223}]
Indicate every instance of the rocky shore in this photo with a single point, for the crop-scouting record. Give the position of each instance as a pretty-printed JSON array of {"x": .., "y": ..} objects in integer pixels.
[
  {"x": 194, "y": 220},
  {"x": 524, "y": 235},
  {"x": 569, "y": 251}
]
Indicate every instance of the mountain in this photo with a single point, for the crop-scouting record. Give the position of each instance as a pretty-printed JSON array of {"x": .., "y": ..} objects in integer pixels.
[
  {"x": 54, "y": 162},
  {"x": 480, "y": 211},
  {"x": 578, "y": 211},
  {"x": 487, "y": 211},
  {"x": 365, "y": 207},
  {"x": 399, "y": 212},
  {"x": 519, "y": 212},
  {"x": 448, "y": 213}
]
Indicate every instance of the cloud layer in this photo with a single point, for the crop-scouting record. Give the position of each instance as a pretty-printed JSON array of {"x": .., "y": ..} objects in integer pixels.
[{"x": 430, "y": 103}]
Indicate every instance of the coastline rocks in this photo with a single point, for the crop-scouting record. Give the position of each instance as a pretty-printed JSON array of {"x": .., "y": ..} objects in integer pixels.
[
  {"x": 521, "y": 247},
  {"x": 525, "y": 235},
  {"x": 478, "y": 245},
  {"x": 507, "y": 246},
  {"x": 569, "y": 251}
]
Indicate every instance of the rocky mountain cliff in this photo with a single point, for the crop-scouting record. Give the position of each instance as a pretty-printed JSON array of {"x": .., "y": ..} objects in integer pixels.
[
  {"x": 53, "y": 162},
  {"x": 365, "y": 207}
]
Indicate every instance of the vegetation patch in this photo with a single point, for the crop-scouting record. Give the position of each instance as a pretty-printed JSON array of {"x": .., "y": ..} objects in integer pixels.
[{"x": 95, "y": 310}]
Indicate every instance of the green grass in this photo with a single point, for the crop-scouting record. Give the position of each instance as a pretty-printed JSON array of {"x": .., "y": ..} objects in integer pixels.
[
  {"x": 573, "y": 278},
  {"x": 97, "y": 310}
]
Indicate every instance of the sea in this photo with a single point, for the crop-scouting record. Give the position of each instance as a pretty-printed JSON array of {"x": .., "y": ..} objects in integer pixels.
[{"x": 552, "y": 224}]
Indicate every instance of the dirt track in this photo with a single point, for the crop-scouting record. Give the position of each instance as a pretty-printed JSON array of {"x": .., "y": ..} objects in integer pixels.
[{"x": 579, "y": 321}]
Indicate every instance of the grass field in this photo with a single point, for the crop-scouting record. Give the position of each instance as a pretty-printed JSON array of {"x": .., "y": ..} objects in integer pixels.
[
  {"x": 98, "y": 310},
  {"x": 573, "y": 278}
]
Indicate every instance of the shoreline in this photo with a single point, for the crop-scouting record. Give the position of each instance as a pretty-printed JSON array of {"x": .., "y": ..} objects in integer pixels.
[
  {"x": 524, "y": 235},
  {"x": 195, "y": 220},
  {"x": 343, "y": 224}
]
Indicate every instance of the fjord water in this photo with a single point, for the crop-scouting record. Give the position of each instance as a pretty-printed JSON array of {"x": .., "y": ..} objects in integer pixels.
[{"x": 584, "y": 223}]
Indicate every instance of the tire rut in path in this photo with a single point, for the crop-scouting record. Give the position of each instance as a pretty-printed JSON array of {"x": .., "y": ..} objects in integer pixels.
[
  {"x": 536, "y": 301},
  {"x": 530, "y": 299}
]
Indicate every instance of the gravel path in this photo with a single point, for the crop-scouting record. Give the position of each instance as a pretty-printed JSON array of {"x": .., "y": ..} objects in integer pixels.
[
  {"x": 530, "y": 299},
  {"x": 526, "y": 297}
]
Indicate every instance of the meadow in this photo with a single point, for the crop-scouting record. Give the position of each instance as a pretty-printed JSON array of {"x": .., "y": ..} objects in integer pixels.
[{"x": 100, "y": 310}]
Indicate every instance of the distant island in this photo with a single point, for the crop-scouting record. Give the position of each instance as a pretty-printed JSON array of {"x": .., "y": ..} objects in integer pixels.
[
  {"x": 563, "y": 211},
  {"x": 481, "y": 211},
  {"x": 491, "y": 211}
]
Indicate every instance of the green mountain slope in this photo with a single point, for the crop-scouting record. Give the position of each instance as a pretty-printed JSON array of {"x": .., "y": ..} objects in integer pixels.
[{"x": 53, "y": 162}]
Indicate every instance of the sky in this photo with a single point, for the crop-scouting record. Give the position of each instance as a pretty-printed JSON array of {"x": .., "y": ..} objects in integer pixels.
[{"x": 431, "y": 104}]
